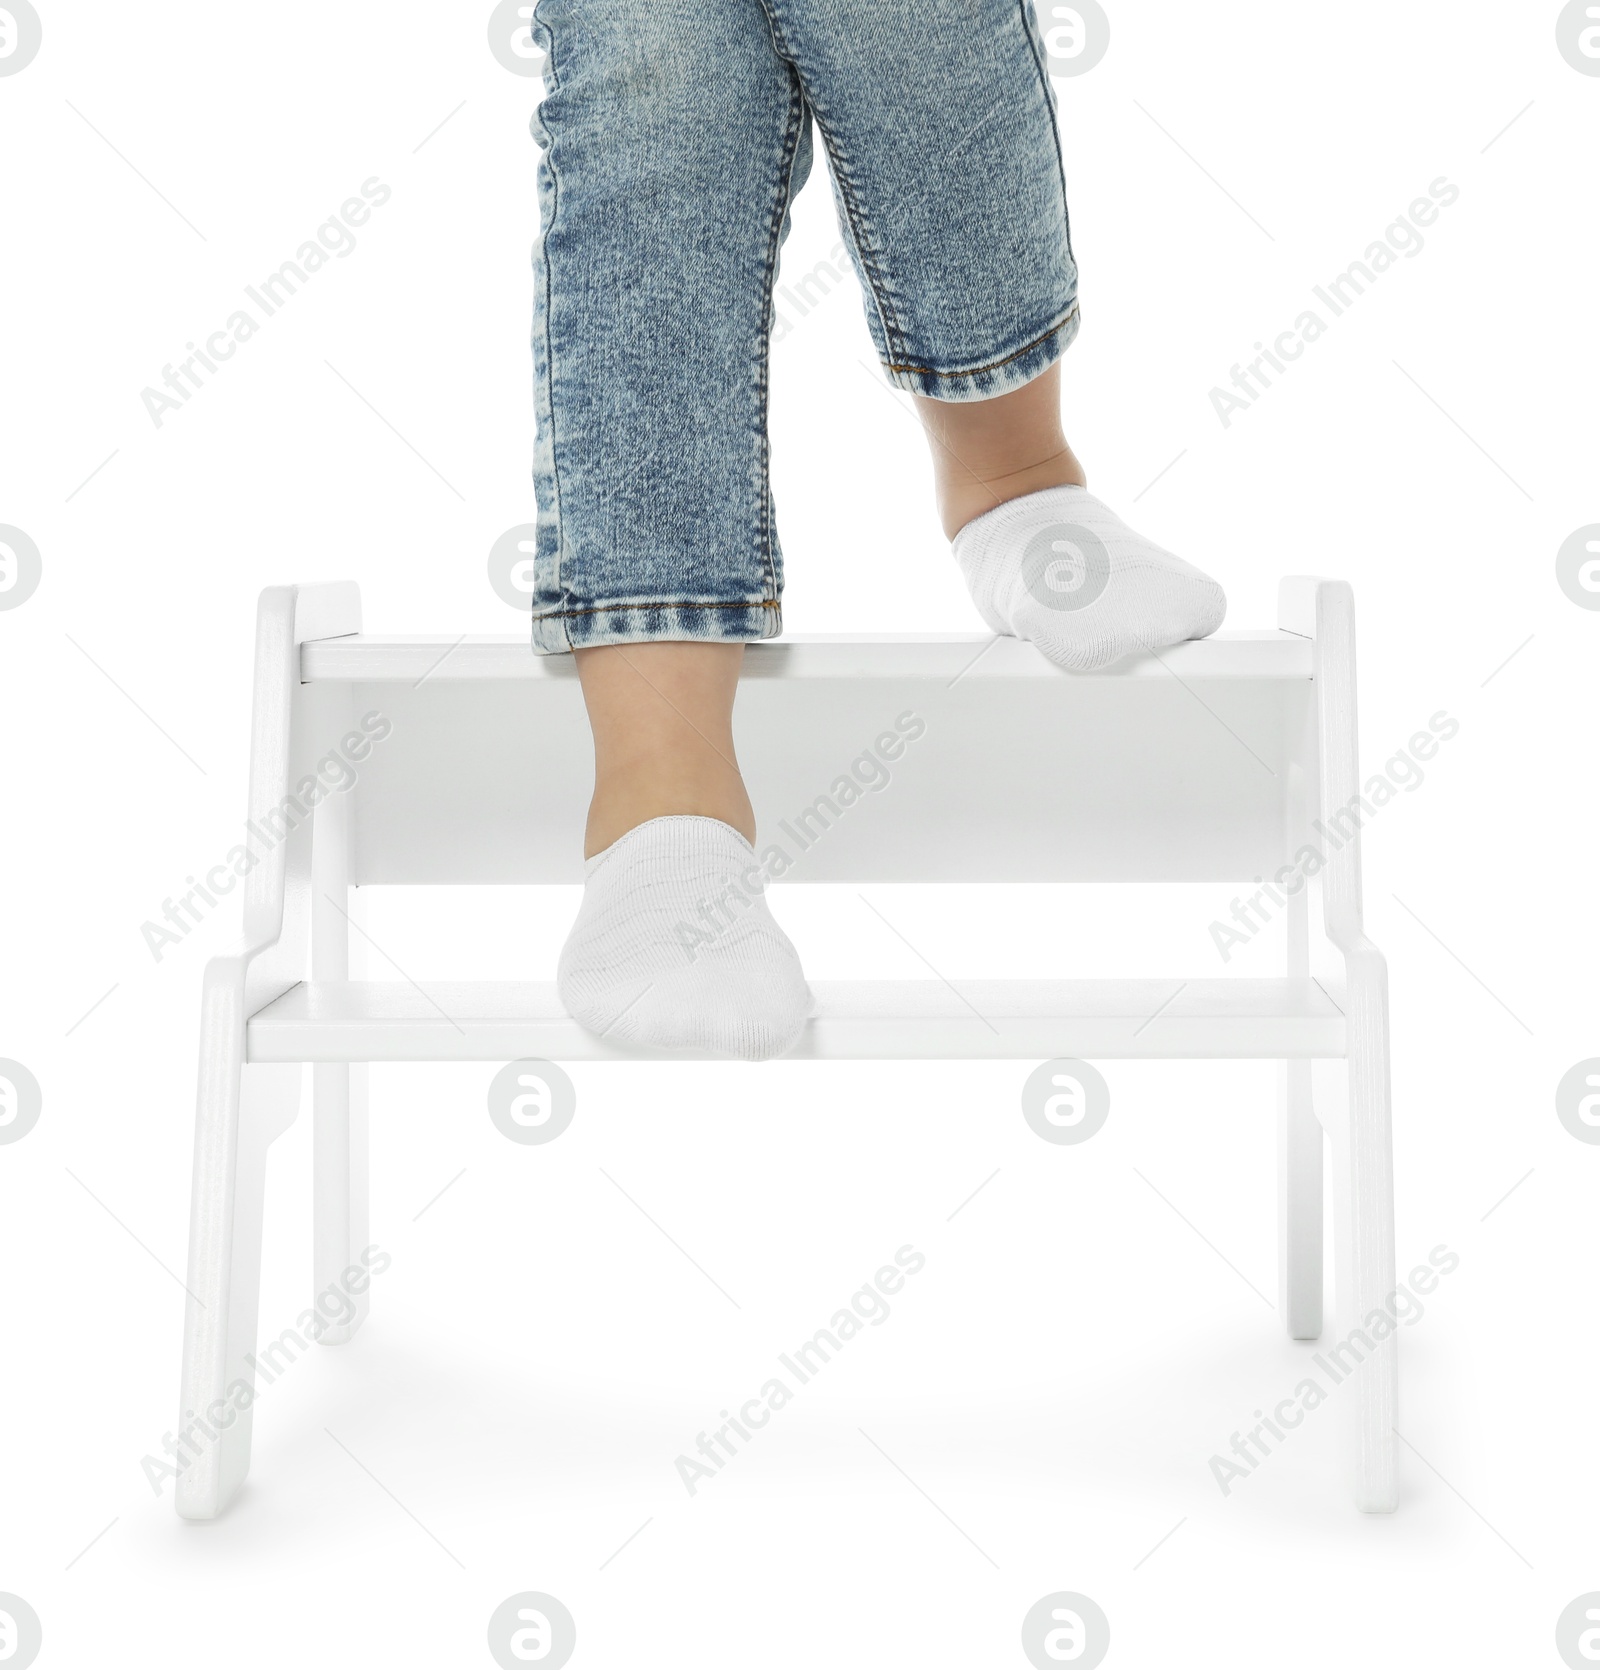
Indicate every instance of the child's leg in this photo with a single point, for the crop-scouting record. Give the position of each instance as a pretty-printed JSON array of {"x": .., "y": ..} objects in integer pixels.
[
  {"x": 940, "y": 125},
  {"x": 674, "y": 138}
]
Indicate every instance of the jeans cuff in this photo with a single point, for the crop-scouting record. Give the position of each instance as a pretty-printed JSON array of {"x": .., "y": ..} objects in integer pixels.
[
  {"x": 1000, "y": 376},
  {"x": 588, "y": 625}
]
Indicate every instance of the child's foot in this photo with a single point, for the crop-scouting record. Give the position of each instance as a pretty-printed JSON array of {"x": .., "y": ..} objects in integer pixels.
[
  {"x": 674, "y": 946},
  {"x": 1068, "y": 574}
]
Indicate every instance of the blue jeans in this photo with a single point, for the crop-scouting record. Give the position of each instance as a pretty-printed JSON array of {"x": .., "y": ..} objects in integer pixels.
[{"x": 675, "y": 135}]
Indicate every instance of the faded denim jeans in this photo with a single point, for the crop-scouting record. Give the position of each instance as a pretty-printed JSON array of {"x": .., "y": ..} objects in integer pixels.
[{"x": 675, "y": 135}]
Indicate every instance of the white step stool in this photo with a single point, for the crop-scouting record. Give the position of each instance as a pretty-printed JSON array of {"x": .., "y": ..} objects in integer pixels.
[{"x": 1215, "y": 762}]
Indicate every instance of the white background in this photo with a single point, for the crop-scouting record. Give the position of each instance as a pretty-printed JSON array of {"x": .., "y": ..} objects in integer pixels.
[{"x": 1059, "y": 1375}]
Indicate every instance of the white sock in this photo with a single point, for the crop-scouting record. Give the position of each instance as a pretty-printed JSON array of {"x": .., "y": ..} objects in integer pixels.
[
  {"x": 644, "y": 966},
  {"x": 1068, "y": 574}
]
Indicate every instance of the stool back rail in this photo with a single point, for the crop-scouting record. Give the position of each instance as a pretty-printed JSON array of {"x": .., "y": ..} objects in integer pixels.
[{"x": 1215, "y": 761}]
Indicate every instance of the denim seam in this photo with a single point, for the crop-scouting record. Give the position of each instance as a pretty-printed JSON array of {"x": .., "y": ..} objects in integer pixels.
[
  {"x": 674, "y": 603},
  {"x": 1050, "y": 111},
  {"x": 784, "y": 200},
  {"x": 994, "y": 365},
  {"x": 775, "y": 29},
  {"x": 549, "y": 290},
  {"x": 894, "y": 337}
]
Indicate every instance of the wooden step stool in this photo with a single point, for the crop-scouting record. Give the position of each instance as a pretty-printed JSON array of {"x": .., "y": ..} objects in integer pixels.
[{"x": 1215, "y": 761}]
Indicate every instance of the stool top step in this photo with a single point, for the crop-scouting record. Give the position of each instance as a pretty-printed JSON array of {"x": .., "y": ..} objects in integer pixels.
[{"x": 360, "y": 658}]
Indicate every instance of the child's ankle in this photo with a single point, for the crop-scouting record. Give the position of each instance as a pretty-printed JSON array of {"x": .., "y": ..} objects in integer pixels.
[
  {"x": 621, "y": 806},
  {"x": 964, "y": 498}
]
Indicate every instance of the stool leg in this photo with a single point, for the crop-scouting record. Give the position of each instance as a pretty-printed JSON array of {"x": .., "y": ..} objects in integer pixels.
[
  {"x": 1299, "y": 1203},
  {"x": 1364, "y": 1354},
  {"x": 242, "y": 1109},
  {"x": 338, "y": 1092},
  {"x": 339, "y": 1187}
]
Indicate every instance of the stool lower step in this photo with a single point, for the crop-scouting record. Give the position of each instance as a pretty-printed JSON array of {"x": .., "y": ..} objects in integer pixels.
[{"x": 854, "y": 1020}]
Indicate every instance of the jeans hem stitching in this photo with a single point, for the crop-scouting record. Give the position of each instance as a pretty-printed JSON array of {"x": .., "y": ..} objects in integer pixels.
[
  {"x": 609, "y": 608},
  {"x": 994, "y": 365}
]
